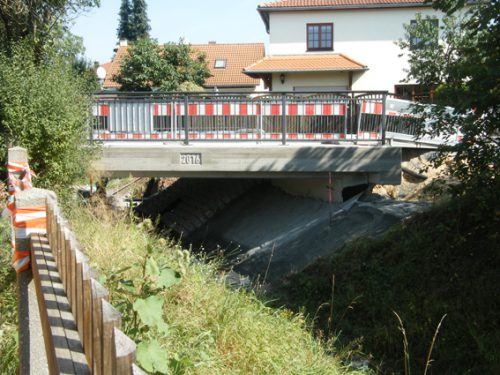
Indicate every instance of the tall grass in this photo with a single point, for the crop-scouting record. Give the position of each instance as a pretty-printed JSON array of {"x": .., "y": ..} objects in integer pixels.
[
  {"x": 443, "y": 262},
  {"x": 212, "y": 329},
  {"x": 8, "y": 305}
]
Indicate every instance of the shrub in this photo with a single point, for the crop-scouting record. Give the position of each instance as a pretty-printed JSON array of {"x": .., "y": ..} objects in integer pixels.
[{"x": 46, "y": 110}]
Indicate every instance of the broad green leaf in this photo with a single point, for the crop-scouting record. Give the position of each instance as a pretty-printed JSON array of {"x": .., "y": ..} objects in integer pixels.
[
  {"x": 150, "y": 312},
  {"x": 152, "y": 357},
  {"x": 168, "y": 277},
  {"x": 152, "y": 268}
]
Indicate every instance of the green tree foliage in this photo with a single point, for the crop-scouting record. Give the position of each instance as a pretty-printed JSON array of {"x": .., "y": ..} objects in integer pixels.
[
  {"x": 463, "y": 69},
  {"x": 140, "y": 22},
  {"x": 149, "y": 66},
  {"x": 125, "y": 14},
  {"x": 45, "y": 109},
  {"x": 35, "y": 21},
  {"x": 134, "y": 22}
]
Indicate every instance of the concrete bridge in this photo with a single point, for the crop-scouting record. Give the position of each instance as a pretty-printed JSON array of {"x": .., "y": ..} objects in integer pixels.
[{"x": 298, "y": 140}]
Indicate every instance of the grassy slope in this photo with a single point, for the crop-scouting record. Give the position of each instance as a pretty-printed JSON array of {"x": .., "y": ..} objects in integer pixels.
[
  {"x": 8, "y": 305},
  {"x": 445, "y": 261},
  {"x": 213, "y": 330}
]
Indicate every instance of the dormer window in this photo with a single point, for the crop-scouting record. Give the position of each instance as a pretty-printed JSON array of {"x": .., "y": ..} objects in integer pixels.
[
  {"x": 320, "y": 36},
  {"x": 220, "y": 64}
]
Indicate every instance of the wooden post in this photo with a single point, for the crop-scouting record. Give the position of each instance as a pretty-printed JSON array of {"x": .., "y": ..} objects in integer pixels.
[
  {"x": 111, "y": 319},
  {"x": 70, "y": 271},
  {"x": 63, "y": 253},
  {"x": 79, "y": 260},
  {"x": 124, "y": 353},
  {"x": 99, "y": 293},
  {"x": 87, "y": 314},
  {"x": 136, "y": 370}
]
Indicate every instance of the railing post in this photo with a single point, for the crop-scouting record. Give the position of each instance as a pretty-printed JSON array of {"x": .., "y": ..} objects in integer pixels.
[
  {"x": 384, "y": 118},
  {"x": 173, "y": 119},
  {"x": 283, "y": 119},
  {"x": 92, "y": 120},
  {"x": 186, "y": 120},
  {"x": 346, "y": 115}
]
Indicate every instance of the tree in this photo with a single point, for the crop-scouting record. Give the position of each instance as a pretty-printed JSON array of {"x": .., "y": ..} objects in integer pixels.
[
  {"x": 140, "y": 22},
  {"x": 44, "y": 108},
  {"x": 35, "y": 20},
  {"x": 125, "y": 25},
  {"x": 45, "y": 86},
  {"x": 149, "y": 66},
  {"x": 463, "y": 70},
  {"x": 134, "y": 22}
]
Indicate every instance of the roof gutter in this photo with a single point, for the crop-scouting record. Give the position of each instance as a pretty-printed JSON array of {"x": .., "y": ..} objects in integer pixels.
[
  {"x": 258, "y": 72},
  {"x": 265, "y": 17}
]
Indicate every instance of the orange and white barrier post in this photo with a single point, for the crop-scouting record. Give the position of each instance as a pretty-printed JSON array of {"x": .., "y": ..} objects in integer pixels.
[{"x": 26, "y": 206}]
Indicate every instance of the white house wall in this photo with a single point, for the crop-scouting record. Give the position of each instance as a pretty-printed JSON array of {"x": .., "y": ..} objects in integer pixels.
[
  {"x": 367, "y": 36},
  {"x": 339, "y": 81}
]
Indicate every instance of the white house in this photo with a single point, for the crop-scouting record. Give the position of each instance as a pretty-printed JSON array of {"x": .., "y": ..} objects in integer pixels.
[{"x": 336, "y": 44}]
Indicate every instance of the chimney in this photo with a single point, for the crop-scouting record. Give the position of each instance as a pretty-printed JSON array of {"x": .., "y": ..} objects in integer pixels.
[
  {"x": 212, "y": 42},
  {"x": 123, "y": 42}
]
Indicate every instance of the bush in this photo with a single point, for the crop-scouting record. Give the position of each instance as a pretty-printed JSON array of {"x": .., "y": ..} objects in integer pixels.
[{"x": 46, "y": 110}]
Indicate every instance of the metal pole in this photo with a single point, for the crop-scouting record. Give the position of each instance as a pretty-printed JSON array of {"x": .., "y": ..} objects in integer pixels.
[
  {"x": 186, "y": 120},
  {"x": 384, "y": 117},
  {"x": 173, "y": 120},
  {"x": 346, "y": 108},
  {"x": 283, "y": 119},
  {"x": 261, "y": 121}
]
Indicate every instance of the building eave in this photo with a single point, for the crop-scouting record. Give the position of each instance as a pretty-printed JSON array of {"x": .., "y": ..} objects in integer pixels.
[
  {"x": 264, "y": 11},
  {"x": 346, "y": 6}
]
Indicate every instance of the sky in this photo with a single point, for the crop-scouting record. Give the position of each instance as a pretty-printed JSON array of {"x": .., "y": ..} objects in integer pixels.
[{"x": 197, "y": 21}]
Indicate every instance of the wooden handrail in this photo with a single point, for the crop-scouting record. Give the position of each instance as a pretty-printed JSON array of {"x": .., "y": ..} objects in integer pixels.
[{"x": 107, "y": 349}]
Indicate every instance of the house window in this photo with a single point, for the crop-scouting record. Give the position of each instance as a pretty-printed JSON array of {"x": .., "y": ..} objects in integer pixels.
[
  {"x": 220, "y": 64},
  {"x": 414, "y": 92},
  {"x": 424, "y": 33},
  {"x": 320, "y": 36}
]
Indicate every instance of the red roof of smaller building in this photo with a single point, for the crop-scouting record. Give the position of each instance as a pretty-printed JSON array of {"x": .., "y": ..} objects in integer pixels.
[{"x": 304, "y": 63}]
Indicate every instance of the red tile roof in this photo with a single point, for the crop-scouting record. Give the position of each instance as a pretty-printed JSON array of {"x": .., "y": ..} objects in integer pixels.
[
  {"x": 237, "y": 56},
  {"x": 296, "y": 5},
  {"x": 304, "y": 63},
  {"x": 338, "y": 3}
]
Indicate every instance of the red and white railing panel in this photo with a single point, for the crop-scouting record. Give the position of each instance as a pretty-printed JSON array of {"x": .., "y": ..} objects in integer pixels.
[{"x": 250, "y": 109}]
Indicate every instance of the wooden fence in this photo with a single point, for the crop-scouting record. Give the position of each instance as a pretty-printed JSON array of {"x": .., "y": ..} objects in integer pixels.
[{"x": 107, "y": 349}]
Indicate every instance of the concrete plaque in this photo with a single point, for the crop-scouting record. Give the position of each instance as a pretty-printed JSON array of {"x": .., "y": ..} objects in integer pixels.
[{"x": 190, "y": 159}]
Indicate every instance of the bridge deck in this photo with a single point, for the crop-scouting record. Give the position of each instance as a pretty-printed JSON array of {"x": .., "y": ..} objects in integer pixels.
[{"x": 381, "y": 163}]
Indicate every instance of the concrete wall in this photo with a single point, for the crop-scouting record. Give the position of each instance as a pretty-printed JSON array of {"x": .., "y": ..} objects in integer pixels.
[
  {"x": 319, "y": 187},
  {"x": 367, "y": 36}
]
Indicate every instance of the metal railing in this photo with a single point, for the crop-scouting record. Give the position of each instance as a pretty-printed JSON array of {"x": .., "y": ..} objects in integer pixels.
[{"x": 265, "y": 116}]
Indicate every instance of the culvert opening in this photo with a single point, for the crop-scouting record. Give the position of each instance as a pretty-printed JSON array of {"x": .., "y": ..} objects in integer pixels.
[{"x": 351, "y": 191}]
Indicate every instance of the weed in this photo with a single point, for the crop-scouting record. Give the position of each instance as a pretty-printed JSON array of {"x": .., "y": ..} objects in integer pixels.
[{"x": 211, "y": 329}]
